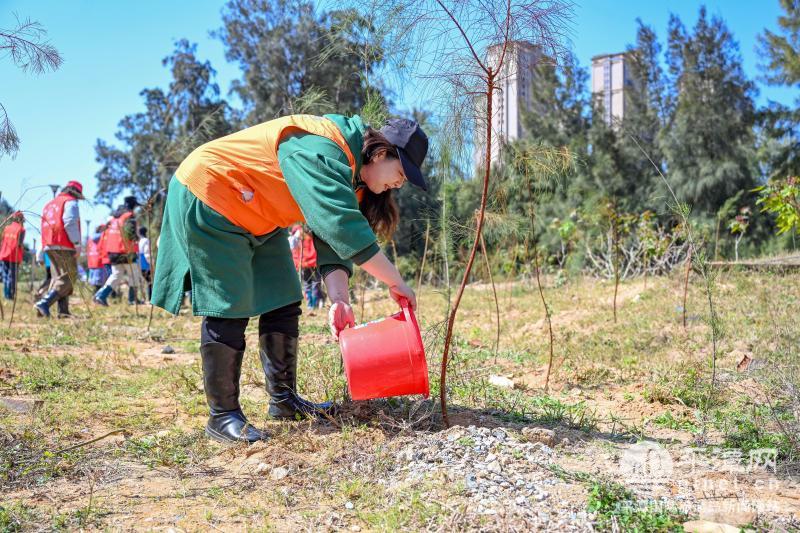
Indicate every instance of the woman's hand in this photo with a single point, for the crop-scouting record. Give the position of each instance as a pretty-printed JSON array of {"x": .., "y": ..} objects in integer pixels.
[
  {"x": 340, "y": 316},
  {"x": 402, "y": 292},
  {"x": 383, "y": 270}
]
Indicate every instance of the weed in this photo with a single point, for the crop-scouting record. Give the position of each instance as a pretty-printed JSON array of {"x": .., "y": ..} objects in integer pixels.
[
  {"x": 751, "y": 431},
  {"x": 682, "y": 422},
  {"x": 688, "y": 388},
  {"x": 171, "y": 449},
  {"x": 15, "y": 516},
  {"x": 617, "y": 509}
]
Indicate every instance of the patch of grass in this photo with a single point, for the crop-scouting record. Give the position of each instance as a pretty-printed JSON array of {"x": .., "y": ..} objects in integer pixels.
[
  {"x": 25, "y": 460},
  {"x": 751, "y": 427},
  {"x": 171, "y": 449},
  {"x": 15, "y": 516},
  {"x": 669, "y": 421},
  {"x": 690, "y": 388},
  {"x": 410, "y": 510},
  {"x": 51, "y": 374},
  {"x": 618, "y": 509},
  {"x": 79, "y": 519},
  {"x": 552, "y": 411}
]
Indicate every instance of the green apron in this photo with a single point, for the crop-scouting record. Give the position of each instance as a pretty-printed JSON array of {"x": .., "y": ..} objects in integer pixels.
[{"x": 231, "y": 273}]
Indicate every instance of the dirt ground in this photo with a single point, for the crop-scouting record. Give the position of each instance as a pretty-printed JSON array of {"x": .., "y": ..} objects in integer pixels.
[{"x": 101, "y": 420}]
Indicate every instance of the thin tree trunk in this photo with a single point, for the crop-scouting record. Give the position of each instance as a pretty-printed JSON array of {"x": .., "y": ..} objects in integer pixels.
[
  {"x": 615, "y": 260},
  {"x": 424, "y": 256},
  {"x": 547, "y": 317},
  {"x": 152, "y": 261},
  {"x": 646, "y": 264},
  {"x": 482, "y": 211},
  {"x": 496, "y": 302},
  {"x": 361, "y": 300},
  {"x": 686, "y": 284},
  {"x": 33, "y": 264}
]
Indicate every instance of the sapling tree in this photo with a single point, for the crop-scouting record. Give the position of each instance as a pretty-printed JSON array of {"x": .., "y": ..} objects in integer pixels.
[
  {"x": 461, "y": 52},
  {"x": 478, "y": 45}
]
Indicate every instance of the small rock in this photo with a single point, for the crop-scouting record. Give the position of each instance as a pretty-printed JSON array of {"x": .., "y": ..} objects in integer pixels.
[
  {"x": 168, "y": 349},
  {"x": 349, "y": 505},
  {"x": 500, "y": 434},
  {"x": 21, "y": 405},
  {"x": 279, "y": 473},
  {"x": 261, "y": 468},
  {"x": 355, "y": 528},
  {"x": 521, "y": 500},
  {"x": 494, "y": 466},
  {"x": 545, "y": 436},
  {"x": 501, "y": 381}
]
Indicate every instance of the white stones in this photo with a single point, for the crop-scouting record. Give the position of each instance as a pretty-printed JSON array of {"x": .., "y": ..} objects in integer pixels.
[{"x": 349, "y": 505}]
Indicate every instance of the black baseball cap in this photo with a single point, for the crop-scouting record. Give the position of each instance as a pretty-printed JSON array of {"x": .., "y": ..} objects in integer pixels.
[{"x": 412, "y": 147}]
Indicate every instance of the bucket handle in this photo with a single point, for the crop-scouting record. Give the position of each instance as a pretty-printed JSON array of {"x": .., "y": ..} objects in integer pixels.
[{"x": 406, "y": 307}]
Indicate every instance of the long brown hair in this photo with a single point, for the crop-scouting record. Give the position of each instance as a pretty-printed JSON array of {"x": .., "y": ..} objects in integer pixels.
[{"x": 380, "y": 210}]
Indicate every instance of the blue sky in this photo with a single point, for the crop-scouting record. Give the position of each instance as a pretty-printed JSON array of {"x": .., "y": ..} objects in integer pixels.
[{"x": 113, "y": 49}]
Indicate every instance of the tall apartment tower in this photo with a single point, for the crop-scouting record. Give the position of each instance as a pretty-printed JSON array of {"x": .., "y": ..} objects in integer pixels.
[
  {"x": 511, "y": 97},
  {"x": 610, "y": 77}
]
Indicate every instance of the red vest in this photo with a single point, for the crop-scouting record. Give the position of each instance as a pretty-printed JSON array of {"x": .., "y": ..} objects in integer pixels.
[
  {"x": 116, "y": 242},
  {"x": 309, "y": 254},
  {"x": 93, "y": 257},
  {"x": 101, "y": 247},
  {"x": 11, "y": 250},
  {"x": 53, "y": 232}
]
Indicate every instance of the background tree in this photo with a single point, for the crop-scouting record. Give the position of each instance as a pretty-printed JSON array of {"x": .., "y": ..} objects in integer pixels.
[
  {"x": 779, "y": 132},
  {"x": 154, "y": 142},
  {"x": 781, "y": 51},
  {"x": 708, "y": 144},
  {"x": 286, "y": 50},
  {"x": 25, "y": 43}
]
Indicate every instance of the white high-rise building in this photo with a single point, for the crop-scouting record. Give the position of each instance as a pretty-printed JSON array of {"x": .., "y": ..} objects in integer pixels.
[
  {"x": 511, "y": 96},
  {"x": 610, "y": 77}
]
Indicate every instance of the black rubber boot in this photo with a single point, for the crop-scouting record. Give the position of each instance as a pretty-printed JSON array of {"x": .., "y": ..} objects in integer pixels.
[
  {"x": 43, "y": 306},
  {"x": 63, "y": 308},
  {"x": 278, "y": 353},
  {"x": 222, "y": 367}
]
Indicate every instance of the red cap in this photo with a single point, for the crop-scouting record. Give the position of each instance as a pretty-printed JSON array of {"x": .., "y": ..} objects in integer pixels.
[{"x": 75, "y": 185}]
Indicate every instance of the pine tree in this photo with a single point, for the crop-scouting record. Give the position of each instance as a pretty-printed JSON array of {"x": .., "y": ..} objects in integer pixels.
[
  {"x": 782, "y": 52},
  {"x": 779, "y": 132},
  {"x": 154, "y": 142},
  {"x": 709, "y": 142},
  {"x": 285, "y": 50}
]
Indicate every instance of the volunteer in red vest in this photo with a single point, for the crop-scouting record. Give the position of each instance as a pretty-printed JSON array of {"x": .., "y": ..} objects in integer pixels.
[
  {"x": 95, "y": 254},
  {"x": 61, "y": 238},
  {"x": 224, "y": 237},
  {"x": 11, "y": 253},
  {"x": 123, "y": 253},
  {"x": 304, "y": 256}
]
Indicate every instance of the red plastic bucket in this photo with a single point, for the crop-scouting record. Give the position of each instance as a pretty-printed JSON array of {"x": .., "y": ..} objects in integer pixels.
[{"x": 385, "y": 358}]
